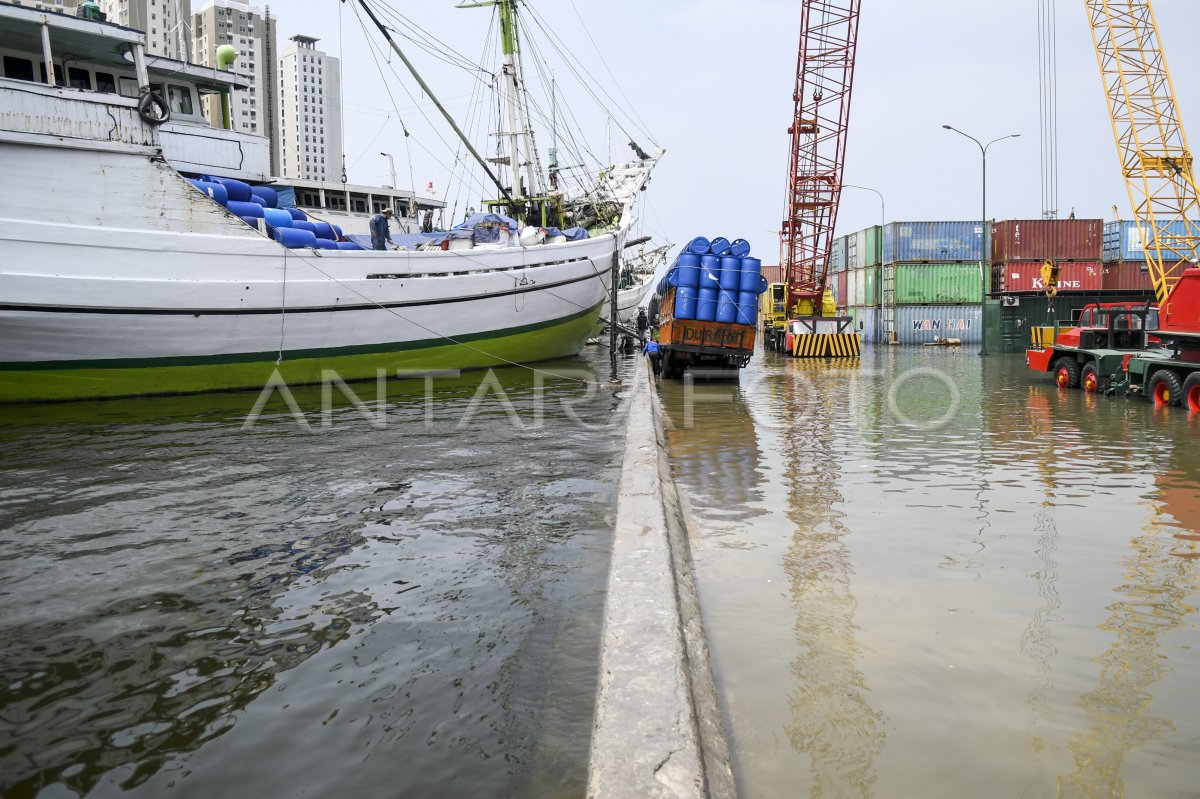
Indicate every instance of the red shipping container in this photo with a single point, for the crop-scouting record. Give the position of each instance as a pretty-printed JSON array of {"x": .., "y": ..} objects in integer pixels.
[
  {"x": 1058, "y": 239},
  {"x": 1127, "y": 276},
  {"x": 1026, "y": 276},
  {"x": 842, "y": 289}
]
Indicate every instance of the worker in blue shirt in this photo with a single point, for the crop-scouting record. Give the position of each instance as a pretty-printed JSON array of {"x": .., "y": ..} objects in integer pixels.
[
  {"x": 380, "y": 236},
  {"x": 651, "y": 352}
]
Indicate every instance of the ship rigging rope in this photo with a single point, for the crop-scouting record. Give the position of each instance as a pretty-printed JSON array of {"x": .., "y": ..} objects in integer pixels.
[
  {"x": 565, "y": 51},
  {"x": 1048, "y": 107},
  {"x": 387, "y": 87}
]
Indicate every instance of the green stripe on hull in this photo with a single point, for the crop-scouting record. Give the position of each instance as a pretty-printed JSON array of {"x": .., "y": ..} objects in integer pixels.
[{"x": 48, "y": 382}]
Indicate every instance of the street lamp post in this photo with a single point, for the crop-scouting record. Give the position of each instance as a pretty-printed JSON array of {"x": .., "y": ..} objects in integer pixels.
[
  {"x": 879, "y": 279},
  {"x": 391, "y": 168},
  {"x": 984, "y": 273}
]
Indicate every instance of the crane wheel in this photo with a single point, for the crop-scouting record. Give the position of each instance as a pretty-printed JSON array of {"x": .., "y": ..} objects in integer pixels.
[
  {"x": 1066, "y": 372},
  {"x": 1191, "y": 392},
  {"x": 1165, "y": 388},
  {"x": 1090, "y": 379}
]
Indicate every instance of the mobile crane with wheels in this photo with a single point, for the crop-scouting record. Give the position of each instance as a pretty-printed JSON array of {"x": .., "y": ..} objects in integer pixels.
[{"x": 1161, "y": 363}]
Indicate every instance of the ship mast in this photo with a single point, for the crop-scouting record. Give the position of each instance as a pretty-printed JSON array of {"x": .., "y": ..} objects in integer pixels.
[{"x": 519, "y": 132}]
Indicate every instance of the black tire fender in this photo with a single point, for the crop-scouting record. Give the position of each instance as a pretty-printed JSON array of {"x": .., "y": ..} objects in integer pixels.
[{"x": 153, "y": 109}]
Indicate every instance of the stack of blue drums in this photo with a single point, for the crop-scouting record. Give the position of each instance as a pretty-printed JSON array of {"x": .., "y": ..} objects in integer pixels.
[
  {"x": 258, "y": 207},
  {"x": 716, "y": 281}
]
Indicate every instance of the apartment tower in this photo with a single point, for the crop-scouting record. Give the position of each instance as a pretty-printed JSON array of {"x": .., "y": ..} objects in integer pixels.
[
  {"x": 251, "y": 31},
  {"x": 310, "y": 112}
]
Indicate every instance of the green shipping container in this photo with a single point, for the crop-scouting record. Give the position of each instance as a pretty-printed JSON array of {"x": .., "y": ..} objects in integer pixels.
[{"x": 936, "y": 284}]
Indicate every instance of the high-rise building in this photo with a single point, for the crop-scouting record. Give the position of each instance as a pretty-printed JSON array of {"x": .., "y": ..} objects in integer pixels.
[
  {"x": 165, "y": 23},
  {"x": 59, "y": 6},
  {"x": 310, "y": 112},
  {"x": 251, "y": 31}
]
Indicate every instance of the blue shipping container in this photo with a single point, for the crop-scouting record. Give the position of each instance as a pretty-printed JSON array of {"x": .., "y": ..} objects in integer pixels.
[
  {"x": 932, "y": 241},
  {"x": 1126, "y": 241},
  {"x": 921, "y": 324}
]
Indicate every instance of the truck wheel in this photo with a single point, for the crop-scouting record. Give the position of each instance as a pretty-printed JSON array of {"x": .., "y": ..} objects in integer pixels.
[
  {"x": 1191, "y": 392},
  {"x": 1165, "y": 388},
  {"x": 1066, "y": 372},
  {"x": 1090, "y": 379}
]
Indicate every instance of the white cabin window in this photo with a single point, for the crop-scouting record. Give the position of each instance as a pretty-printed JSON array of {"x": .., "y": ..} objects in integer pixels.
[{"x": 180, "y": 98}]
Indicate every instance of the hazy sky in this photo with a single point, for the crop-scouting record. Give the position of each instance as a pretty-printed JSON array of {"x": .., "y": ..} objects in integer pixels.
[{"x": 712, "y": 80}]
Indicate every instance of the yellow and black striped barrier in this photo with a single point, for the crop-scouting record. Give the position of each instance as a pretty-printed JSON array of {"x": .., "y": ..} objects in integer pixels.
[{"x": 827, "y": 345}]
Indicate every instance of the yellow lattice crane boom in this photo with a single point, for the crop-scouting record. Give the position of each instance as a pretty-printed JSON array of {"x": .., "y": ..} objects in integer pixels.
[{"x": 1155, "y": 158}]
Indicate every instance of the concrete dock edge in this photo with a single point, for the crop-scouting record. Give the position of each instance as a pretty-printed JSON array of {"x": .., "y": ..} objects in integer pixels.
[{"x": 658, "y": 730}]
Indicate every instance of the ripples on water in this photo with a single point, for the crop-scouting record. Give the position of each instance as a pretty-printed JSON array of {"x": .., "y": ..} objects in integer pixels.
[
  {"x": 993, "y": 606},
  {"x": 196, "y": 609}
]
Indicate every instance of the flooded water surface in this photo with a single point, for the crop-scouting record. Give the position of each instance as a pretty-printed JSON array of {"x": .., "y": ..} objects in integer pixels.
[
  {"x": 404, "y": 600},
  {"x": 933, "y": 575}
]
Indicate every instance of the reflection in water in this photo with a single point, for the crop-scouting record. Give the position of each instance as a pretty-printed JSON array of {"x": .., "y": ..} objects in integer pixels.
[
  {"x": 162, "y": 674},
  {"x": 832, "y": 720},
  {"x": 714, "y": 447},
  {"x": 1153, "y": 603},
  {"x": 198, "y": 609}
]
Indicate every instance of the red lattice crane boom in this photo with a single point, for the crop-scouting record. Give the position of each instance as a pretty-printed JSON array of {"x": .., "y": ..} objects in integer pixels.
[{"x": 824, "y": 78}]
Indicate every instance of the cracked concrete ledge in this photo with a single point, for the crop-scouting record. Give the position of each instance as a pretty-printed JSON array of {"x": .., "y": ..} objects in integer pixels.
[{"x": 658, "y": 730}]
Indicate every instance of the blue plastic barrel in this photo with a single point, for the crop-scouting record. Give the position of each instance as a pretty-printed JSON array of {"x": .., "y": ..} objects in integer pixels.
[
  {"x": 214, "y": 190},
  {"x": 710, "y": 272},
  {"x": 338, "y": 235},
  {"x": 719, "y": 246},
  {"x": 706, "y": 305},
  {"x": 697, "y": 246},
  {"x": 297, "y": 214},
  {"x": 277, "y": 217},
  {"x": 727, "y": 307},
  {"x": 747, "y": 308},
  {"x": 731, "y": 273},
  {"x": 751, "y": 272},
  {"x": 687, "y": 270},
  {"x": 685, "y": 302},
  {"x": 324, "y": 244},
  {"x": 324, "y": 231},
  {"x": 294, "y": 239},
  {"x": 740, "y": 248},
  {"x": 252, "y": 221},
  {"x": 267, "y": 194},
  {"x": 301, "y": 224},
  {"x": 245, "y": 208},
  {"x": 237, "y": 189},
  {"x": 348, "y": 245}
]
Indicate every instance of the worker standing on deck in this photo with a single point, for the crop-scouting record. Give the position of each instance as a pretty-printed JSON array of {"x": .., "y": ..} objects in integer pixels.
[
  {"x": 642, "y": 323},
  {"x": 651, "y": 352},
  {"x": 380, "y": 235}
]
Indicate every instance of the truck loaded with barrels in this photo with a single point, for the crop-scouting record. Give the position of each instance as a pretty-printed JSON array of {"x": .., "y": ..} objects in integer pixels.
[{"x": 708, "y": 307}]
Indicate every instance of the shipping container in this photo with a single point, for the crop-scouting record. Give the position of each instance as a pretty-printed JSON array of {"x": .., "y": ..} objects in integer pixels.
[
  {"x": 866, "y": 323},
  {"x": 935, "y": 284},
  {"x": 1038, "y": 239},
  {"x": 863, "y": 248},
  {"x": 864, "y": 286},
  {"x": 1019, "y": 313},
  {"x": 922, "y": 324},
  {"x": 773, "y": 274},
  {"x": 932, "y": 241},
  {"x": 1126, "y": 276},
  {"x": 1026, "y": 276},
  {"x": 1127, "y": 241},
  {"x": 842, "y": 288},
  {"x": 838, "y": 258}
]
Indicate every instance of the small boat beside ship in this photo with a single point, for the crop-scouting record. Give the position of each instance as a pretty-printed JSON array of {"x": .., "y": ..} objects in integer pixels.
[{"x": 118, "y": 277}]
